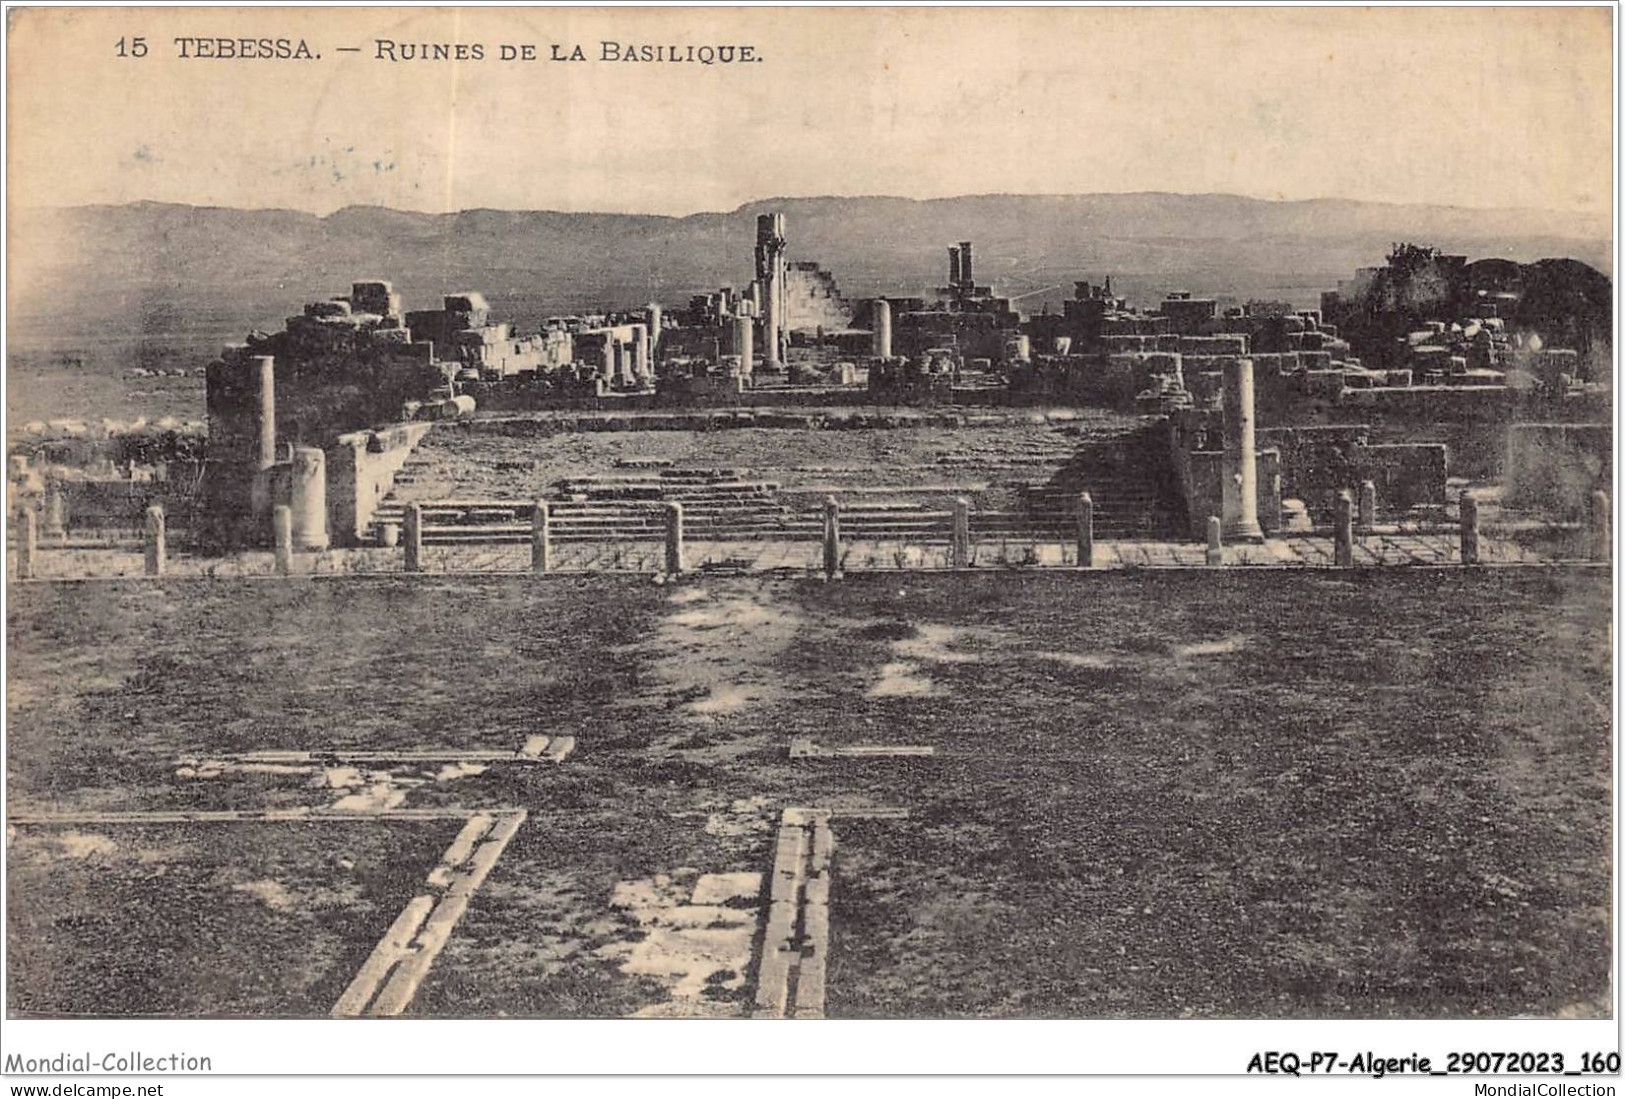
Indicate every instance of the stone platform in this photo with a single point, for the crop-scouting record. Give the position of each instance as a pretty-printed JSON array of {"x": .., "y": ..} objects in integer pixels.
[{"x": 801, "y": 556}]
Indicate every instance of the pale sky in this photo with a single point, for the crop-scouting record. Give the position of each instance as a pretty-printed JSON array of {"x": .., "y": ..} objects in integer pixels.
[{"x": 1464, "y": 106}]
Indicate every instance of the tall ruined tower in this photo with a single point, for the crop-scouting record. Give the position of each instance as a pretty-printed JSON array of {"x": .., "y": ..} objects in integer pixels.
[{"x": 770, "y": 274}]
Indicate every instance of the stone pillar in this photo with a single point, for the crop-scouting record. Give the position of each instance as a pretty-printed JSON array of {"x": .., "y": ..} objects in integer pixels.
[
  {"x": 55, "y": 523},
  {"x": 27, "y": 544},
  {"x": 1602, "y": 541},
  {"x": 1240, "y": 468},
  {"x": 611, "y": 364},
  {"x": 1343, "y": 531},
  {"x": 1469, "y": 529},
  {"x": 832, "y": 537},
  {"x": 640, "y": 354},
  {"x": 157, "y": 542},
  {"x": 744, "y": 338},
  {"x": 413, "y": 537},
  {"x": 960, "y": 555},
  {"x": 953, "y": 267},
  {"x": 674, "y": 539},
  {"x": 770, "y": 273},
  {"x": 1086, "y": 531},
  {"x": 966, "y": 274},
  {"x": 541, "y": 539},
  {"x": 265, "y": 423},
  {"x": 1368, "y": 506},
  {"x": 261, "y": 493},
  {"x": 309, "y": 498},
  {"x": 282, "y": 538},
  {"x": 771, "y": 320},
  {"x": 881, "y": 323},
  {"x": 623, "y": 364}
]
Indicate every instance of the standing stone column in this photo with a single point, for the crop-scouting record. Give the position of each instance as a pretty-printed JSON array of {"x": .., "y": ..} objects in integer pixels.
[
  {"x": 1086, "y": 531},
  {"x": 55, "y": 522},
  {"x": 832, "y": 537},
  {"x": 282, "y": 537},
  {"x": 744, "y": 338},
  {"x": 1343, "y": 532},
  {"x": 27, "y": 544},
  {"x": 674, "y": 538},
  {"x": 1368, "y": 506},
  {"x": 413, "y": 536},
  {"x": 1601, "y": 527},
  {"x": 881, "y": 323},
  {"x": 640, "y": 354},
  {"x": 265, "y": 423},
  {"x": 611, "y": 366},
  {"x": 541, "y": 542},
  {"x": 309, "y": 498},
  {"x": 261, "y": 495},
  {"x": 961, "y": 534},
  {"x": 1469, "y": 529},
  {"x": 656, "y": 319},
  {"x": 157, "y": 543},
  {"x": 1240, "y": 467},
  {"x": 1215, "y": 540}
]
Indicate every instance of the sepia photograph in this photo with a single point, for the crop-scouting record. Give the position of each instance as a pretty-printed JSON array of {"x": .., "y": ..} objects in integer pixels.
[{"x": 785, "y": 513}]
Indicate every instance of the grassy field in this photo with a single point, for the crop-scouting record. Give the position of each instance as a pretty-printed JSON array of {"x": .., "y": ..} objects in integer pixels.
[
  {"x": 1155, "y": 793},
  {"x": 240, "y": 919}
]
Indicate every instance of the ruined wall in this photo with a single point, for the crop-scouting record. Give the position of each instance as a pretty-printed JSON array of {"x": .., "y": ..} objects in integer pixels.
[
  {"x": 1200, "y": 475},
  {"x": 1104, "y": 381},
  {"x": 361, "y": 469},
  {"x": 812, "y": 300},
  {"x": 1318, "y": 462},
  {"x": 1555, "y": 467}
]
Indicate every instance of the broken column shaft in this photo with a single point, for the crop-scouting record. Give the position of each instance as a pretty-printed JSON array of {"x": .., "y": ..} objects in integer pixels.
[
  {"x": 541, "y": 542},
  {"x": 743, "y": 343},
  {"x": 881, "y": 323},
  {"x": 27, "y": 544},
  {"x": 960, "y": 552},
  {"x": 832, "y": 537},
  {"x": 674, "y": 539},
  {"x": 1086, "y": 531},
  {"x": 309, "y": 498},
  {"x": 157, "y": 542},
  {"x": 282, "y": 538},
  {"x": 1343, "y": 530}
]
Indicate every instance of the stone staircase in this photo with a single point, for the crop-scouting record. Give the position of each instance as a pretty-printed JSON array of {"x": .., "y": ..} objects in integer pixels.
[
  {"x": 1124, "y": 470},
  {"x": 1128, "y": 478}
]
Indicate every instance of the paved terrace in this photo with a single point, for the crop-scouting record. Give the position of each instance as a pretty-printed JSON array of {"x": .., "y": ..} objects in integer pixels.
[{"x": 79, "y": 559}]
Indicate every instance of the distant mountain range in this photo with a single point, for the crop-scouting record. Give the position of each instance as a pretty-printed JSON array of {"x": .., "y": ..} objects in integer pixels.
[{"x": 152, "y": 275}]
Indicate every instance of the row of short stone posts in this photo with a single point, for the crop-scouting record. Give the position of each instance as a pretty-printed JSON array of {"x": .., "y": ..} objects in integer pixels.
[{"x": 155, "y": 543}]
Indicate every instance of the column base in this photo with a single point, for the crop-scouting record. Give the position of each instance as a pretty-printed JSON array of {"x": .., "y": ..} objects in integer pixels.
[{"x": 1242, "y": 531}]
